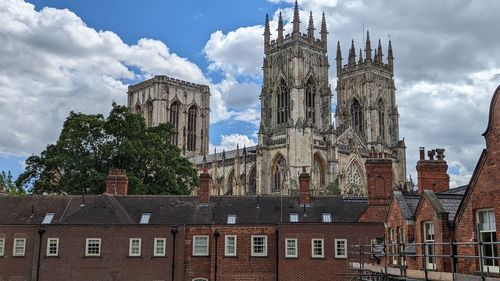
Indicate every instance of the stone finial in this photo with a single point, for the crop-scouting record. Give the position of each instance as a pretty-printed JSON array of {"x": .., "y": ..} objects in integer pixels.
[
  {"x": 390, "y": 57},
  {"x": 368, "y": 47},
  {"x": 352, "y": 55},
  {"x": 296, "y": 20},
  {"x": 310, "y": 28},
  {"x": 324, "y": 32},
  {"x": 280, "y": 29},
  {"x": 267, "y": 33}
]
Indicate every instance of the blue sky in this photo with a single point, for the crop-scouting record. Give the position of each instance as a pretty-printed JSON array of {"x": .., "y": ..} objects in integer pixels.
[{"x": 59, "y": 56}]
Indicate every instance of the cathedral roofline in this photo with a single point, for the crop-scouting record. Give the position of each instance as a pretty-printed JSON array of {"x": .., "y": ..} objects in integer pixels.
[{"x": 169, "y": 80}]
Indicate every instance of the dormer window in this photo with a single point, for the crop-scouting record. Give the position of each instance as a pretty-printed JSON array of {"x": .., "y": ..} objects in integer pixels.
[
  {"x": 231, "y": 219},
  {"x": 145, "y": 218},
  {"x": 48, "y": 218},
  {"x": 294, "y": 217},
  {"x": 327, "y": 217}
]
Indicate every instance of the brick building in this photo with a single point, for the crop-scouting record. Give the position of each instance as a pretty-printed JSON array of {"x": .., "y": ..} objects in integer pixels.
[
  {"x": 115, "y": 236},
  {"x": 423, "y": 229}
]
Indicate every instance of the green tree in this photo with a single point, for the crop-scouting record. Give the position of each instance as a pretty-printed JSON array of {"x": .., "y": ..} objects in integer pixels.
[
  {"x": 7, "y": 182},
  {"x": 90, "y": 145}
]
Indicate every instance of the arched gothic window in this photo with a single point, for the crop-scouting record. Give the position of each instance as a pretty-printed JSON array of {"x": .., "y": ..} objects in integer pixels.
[
  {"x": 149, "y": 118},
  {"x": 318, "y": 171},
  {"x": 357, "y": 116},
  {"x": 310, "y": 100},
  {"x": 381, "y": 118},
  {"x": 191, "y": 137},
  {"x": 354, "y": 181},
  {"x": 278, "y": 173},
  {"x": 252, "y": 182},
  {"x": 174, "y": 121},
  {"x": 230, "y": 184},
  {"x": 283, "y": 103},
  {"x": 138, "y": 109}
]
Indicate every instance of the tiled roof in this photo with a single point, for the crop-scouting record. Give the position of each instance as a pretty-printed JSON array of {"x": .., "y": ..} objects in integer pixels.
[
  {"x": 407, "y": 203},
  {"x": 109, "y": 209}
]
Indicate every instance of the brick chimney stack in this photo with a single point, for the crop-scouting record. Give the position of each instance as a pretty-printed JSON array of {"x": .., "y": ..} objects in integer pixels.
[
  {"x": 304, "y": 187},
  {"x": 204, "y": 190},
  {"x": 379, "y": 179},
  {"x": 433, "y": 172},
  {"x": 117, "y": 182}
]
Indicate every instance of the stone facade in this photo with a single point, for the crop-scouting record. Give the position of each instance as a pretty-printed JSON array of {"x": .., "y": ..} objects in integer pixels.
[
  {"x": 297, "y": 131},
  {"x": 185, "y": 105}
]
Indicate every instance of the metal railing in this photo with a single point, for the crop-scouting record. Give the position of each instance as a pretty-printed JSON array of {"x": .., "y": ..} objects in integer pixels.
[{"x": 434, "y": 257}]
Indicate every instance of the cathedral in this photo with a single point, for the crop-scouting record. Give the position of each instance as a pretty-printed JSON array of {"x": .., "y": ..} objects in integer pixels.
[{"x": 296, "y": 130}]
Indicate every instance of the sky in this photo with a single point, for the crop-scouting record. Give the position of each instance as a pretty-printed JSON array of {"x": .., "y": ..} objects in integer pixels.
[{"x": 61, "y": 56}]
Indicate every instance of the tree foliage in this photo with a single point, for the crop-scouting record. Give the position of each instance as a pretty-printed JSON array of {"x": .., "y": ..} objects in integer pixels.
[
  {"x": 7, "y": 182},
  {"x": 90, "y": 145}
]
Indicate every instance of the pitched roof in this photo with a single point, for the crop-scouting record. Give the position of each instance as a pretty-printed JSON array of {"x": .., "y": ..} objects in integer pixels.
[
  {"x": 407, "y": 203},
  {"x": 110, "y": 209}
]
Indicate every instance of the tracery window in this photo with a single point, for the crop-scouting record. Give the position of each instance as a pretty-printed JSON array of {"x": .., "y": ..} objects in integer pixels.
[
  {"x": 354, "y": 180},
  {"x": 318, "y": 171},
  {"x": 283, "y": 103},
  {"x": 381, "y": 118},
  {"x": 278, "y": 173},
  {"x": 149, "y": 118},
  {"x": 357, "y": 116},
  {"x": 310, "y": 100},
  {"x": 191, "y": 138},
  {"x": 252, "y": 182},
  {"x": 174, "y": 121}
]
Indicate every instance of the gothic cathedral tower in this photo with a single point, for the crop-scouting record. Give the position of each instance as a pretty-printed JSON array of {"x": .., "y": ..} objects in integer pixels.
[
  {"x": 296, "y": 127},
  {"x": 366, "y": 104}
]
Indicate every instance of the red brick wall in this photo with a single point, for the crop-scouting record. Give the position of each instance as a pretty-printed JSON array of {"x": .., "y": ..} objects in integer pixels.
[
  {"x": 113, "y": 264},
  {"x": 244, "y": 266},
  {"x": 483, "y": 193},
  {"x": 433, "y": 175},
  {"x": 442, "y": 234},
  {"x": 18, "y": 267},
  {"x": 306, "y": 268}
]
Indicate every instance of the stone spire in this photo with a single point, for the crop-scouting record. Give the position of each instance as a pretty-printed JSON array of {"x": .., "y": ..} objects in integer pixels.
[
  {"x": 379, "y": 52},
  {"x": 352, "y": 55},
  {"x": 310, "y": 28},
  {"x": 360, "y": 59},
  {"x": 339, "y": 58},
  {"x": 296, "y": 21},
  {"x": 323, "y": 32},
  {"x": 368, "y": 47},
  {"x": 280, "y": 29},
  {"x": 390, "y": 57},
  {"x": 267, "y": 34}
]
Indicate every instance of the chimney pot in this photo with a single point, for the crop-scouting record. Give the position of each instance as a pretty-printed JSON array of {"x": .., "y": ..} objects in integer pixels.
[{"x": 422, "y": 153}]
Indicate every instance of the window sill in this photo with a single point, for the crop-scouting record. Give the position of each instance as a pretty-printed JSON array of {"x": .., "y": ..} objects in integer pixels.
[
  {"x": 51, "y": 257},
  {"x": 230, "y": 257},
  {"x": 158, "y": 257},
  {"x": 291, "y": 258},
  {"x": 317, "y": 258},
  {"x": 200, "y": 256},
  {"x": 133, "y": 257},
  {"x": 266, "y": 256},
  {"x": 92, "y": 257}
]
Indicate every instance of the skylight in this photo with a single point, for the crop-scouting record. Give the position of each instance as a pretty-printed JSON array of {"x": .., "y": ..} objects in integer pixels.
[
  {"x": 48, "y": 218},
  {"x": 294, "y": 217},
  {"x": 327, "y": 217},
  {"x": 145, "y": 218},
  {"x": 231, "y": 219}
]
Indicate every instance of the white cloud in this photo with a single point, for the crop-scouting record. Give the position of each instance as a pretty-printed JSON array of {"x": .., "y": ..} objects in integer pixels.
[
  {"x": 51, "y": 62},
  {"x": 229, "y": 142},
  {"x": 238, "y": 52}
]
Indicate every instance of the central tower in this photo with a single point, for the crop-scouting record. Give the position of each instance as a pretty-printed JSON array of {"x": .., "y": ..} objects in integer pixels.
[{"x": 296, "y": 126}]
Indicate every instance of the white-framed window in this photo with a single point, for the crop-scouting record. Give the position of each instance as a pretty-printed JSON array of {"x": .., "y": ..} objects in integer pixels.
[
  {"x": 145, "y": 218},
  {"x": 93, "y": 247},
  {"x": 488, "y": 234},
  {"x": 317, "y": 248},
  {"x": 231, "y": 219},
  {"x": 2, "y": 247},
  {"x": 47, "y": 219},
  {"x": 340, "y": 248},
  {"x": 159, "y": 248},
  {"x": 294, "y": 217},
  {"x": 230, "y": 245},
  {"x": 291, "y": 248},
  {"x": 401, "y": 248},
  {"x": 19, "y": 247},
  {"x": 327, "y": 217},
  {"x": 200, "y": 245},
  {"x": 52, "y": 247},
  {"x": 393, "y": 246},
  {"x": 134, "y": 249},
  {"x": 259, "y": 245},
  {"x": 430, "y": 260}
]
